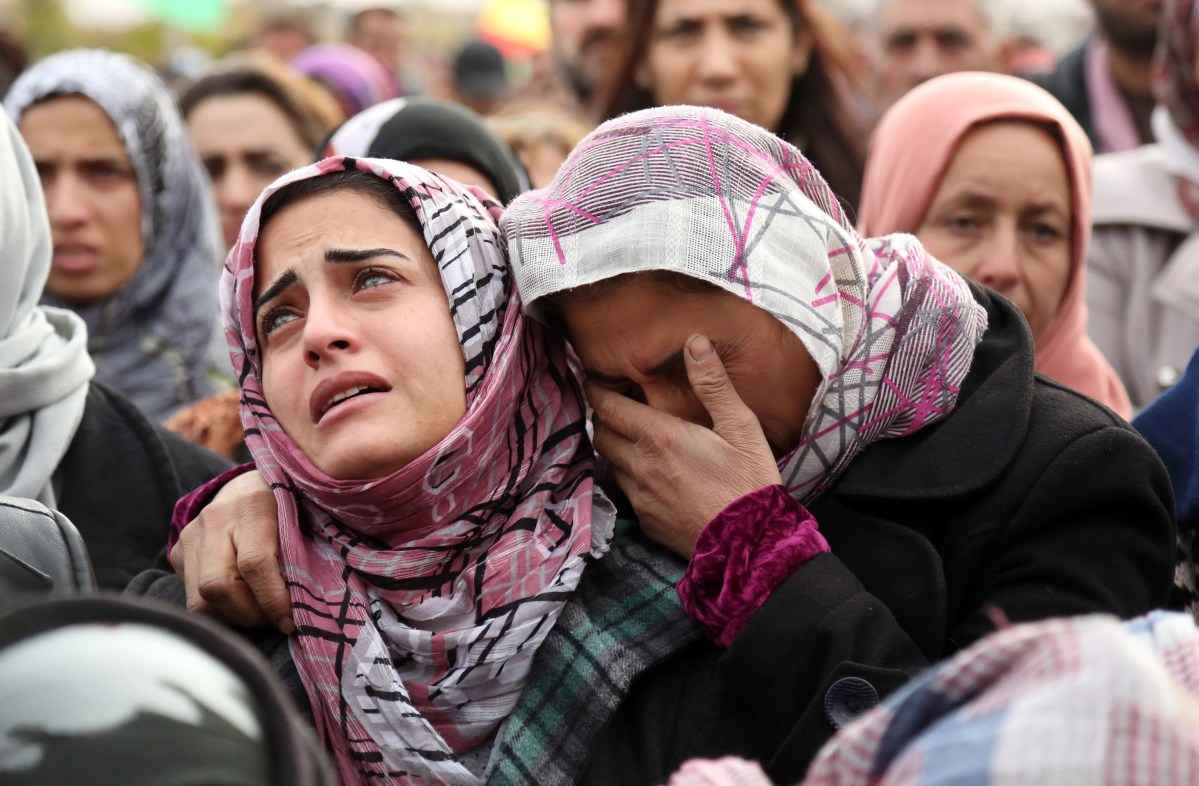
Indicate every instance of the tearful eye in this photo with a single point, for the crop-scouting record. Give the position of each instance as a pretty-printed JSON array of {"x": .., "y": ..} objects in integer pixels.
[
  {"x": 373, "y": 277},
  {"x": 275, "y": 319}
]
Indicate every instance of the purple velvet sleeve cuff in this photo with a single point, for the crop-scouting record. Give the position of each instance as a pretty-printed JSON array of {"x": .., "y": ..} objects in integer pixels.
[
  {"x": 742, "y": 555},
  {"x": 190, "y": 505}
]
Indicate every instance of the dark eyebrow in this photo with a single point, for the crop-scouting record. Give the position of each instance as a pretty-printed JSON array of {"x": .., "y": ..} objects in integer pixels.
[
  {"x": 361, "y": 254},
  {"x": 670, "y": 362},
  {"x": 274, "y": 290},
  {"x": 332, "y": 255}
]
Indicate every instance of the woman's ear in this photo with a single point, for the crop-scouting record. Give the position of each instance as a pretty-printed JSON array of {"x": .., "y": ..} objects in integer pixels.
[{"x": 805, "y": 45}]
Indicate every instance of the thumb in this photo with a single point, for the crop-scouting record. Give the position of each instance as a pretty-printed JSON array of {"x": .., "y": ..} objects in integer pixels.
[{"x": 731, "y": 419}]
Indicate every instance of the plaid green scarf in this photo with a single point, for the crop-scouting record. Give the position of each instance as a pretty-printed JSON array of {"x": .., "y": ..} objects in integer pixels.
[{"x": 625, "y": 617}]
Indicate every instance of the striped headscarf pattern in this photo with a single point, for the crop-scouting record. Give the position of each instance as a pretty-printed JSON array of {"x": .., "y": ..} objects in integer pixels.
[
  {"x": 421, "y": 598},
  {"x": 150, "y": 340},
  {"x": 705, "y": 194}
]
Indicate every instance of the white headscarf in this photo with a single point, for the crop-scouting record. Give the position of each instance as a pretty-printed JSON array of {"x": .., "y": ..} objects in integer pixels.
[{"x": 44, "y": 365}]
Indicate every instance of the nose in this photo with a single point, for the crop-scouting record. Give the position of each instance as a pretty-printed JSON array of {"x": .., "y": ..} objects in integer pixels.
[
  {"x": 999, "y": 266},
  {"x": 66, "y": 201},
  {"x": 926, "y": 61},
  {"x": 717, "y": 59},
  {"x": 329, "y": 333},
  {"x": 236, "y": 190}
]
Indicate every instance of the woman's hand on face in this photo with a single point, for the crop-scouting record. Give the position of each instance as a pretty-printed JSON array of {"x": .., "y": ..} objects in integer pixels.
[
  {"x": 228, "y": 557},
  {"x": 679, "y": 475}
]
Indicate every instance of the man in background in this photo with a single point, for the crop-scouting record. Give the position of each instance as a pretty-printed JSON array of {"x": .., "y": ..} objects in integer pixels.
[
  {"x": 284, "y": 35},
  {"x": 383, "y": 33},
  {"x": 1105, "y": 82},
  {"x": 584, "y": 38},
  {"x": 916, "y": 40}
]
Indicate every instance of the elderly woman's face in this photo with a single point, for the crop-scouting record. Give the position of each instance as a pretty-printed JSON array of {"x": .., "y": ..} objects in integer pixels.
[
  {"x": 1002, "y": 216},
  {"x": 245, "y": 141},
  {"x": 361, "y": 362},
  {"x": 91, "y": 196},
  {"x": 630, "y": 337},
  {"x": 737, "y": 56}
]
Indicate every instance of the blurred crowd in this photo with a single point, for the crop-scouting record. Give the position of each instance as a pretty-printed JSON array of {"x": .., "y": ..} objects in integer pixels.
[{"x": 831, "y": 399}]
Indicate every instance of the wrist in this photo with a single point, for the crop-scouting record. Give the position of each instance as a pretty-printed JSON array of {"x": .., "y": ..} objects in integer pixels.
[{"x": 742, "y": 555}]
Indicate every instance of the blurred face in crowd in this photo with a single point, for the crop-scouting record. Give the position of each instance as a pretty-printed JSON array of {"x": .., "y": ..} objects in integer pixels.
[
  {"x": 630, "y": 333},
  {"x": 245, "y": 142},
  {"x": 1003, "y": 217},
  {"x": 1129, "y": 25},
  {"x": 383, "y": 35},
  {"x": 91, "y": 196},
  {"x": 361, "y": 363},
  {"x": 740, "y": 57},
  {"x": 921, "y": 39},
  {"x": 282, "y": 40},
  {"x": 583, "y": 36}
]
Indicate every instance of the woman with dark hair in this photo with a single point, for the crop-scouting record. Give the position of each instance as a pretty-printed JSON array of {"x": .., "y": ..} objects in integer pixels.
[
  {"x": 252, "y": 119},
  {"x": 775, "y": 63}
]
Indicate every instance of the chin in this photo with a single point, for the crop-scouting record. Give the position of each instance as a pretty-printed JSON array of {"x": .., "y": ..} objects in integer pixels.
[{"x": 363, "y": 464}]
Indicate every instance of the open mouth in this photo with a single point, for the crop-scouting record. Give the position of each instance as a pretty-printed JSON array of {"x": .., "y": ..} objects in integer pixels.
[
  {"x": 335, "y": 392},
  {"x": 346, "y": 395}
]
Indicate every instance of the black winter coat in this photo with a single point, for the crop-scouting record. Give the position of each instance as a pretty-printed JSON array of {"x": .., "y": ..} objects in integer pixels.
[
  {"x": 119, "y": 481},
  {"x": 1030, "y": 501}
]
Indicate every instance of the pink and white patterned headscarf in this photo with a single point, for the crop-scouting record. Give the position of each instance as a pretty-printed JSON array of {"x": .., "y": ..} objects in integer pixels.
[
  {"x": 702, "y": 193},
  {"x": 420, "y": 598}
]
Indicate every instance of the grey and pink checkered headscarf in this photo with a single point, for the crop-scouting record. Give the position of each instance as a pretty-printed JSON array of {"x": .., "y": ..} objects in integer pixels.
[
  {"x": 420, "y": 598},
  {"x": 702, "y": 193}
]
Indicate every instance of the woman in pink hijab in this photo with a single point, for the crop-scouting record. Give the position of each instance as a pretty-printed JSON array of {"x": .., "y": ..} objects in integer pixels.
[{"x": 994, "y": 176}]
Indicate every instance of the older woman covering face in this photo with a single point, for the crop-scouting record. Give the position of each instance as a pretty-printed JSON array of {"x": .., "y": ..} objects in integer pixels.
[
  {"x": 136, "y": 238},
  {"x": 994, "y": 176},
  {"x": 845, "y": 479},
  {"x": 857, "y": 365}
]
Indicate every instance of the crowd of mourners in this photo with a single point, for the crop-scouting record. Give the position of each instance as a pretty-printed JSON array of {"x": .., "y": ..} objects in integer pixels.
[{"x": 766, "y": 392}]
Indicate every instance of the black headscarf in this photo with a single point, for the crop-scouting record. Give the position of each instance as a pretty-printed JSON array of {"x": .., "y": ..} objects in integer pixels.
[{"x": 408, "y": 129}]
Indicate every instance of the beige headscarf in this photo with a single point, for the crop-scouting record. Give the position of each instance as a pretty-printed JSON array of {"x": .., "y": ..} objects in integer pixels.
[{"x": 913, "y": 146}]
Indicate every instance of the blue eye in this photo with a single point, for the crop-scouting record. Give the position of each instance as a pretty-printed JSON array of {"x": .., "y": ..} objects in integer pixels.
[
  {"x": 275, "y": 319},
  {"x": 373, "y": 277}
]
